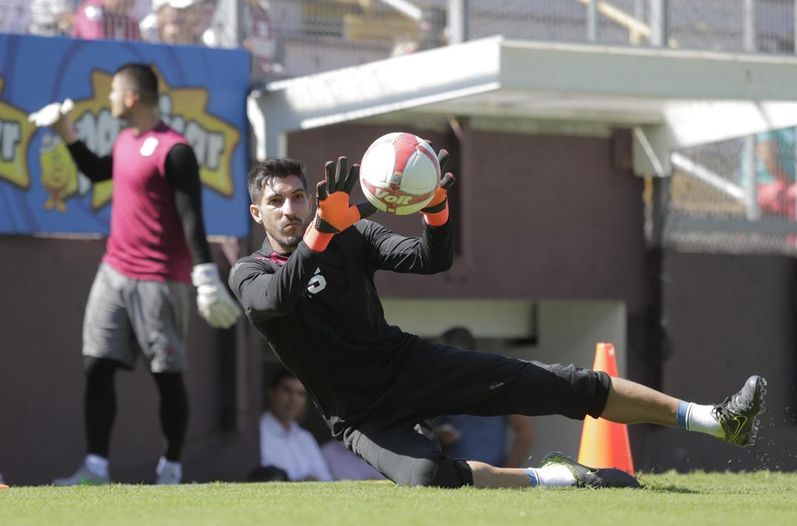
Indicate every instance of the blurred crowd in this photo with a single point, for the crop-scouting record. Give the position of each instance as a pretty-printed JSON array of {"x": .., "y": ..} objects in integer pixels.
[{"x": 191, "y": 22}]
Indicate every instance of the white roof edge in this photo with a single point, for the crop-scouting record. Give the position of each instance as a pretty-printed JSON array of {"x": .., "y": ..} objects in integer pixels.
[
  {"x": 647, "y": 73},
  {"x": 631, "y": 51},
  {"x": 478, "y": 46},
  {"x": 695, "y": 95}
]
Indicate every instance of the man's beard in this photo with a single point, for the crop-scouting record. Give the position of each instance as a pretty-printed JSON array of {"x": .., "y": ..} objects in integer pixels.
[{"x": 290, "y": 241}]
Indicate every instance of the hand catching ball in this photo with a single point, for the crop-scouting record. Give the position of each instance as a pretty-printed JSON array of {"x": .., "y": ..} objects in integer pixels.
[{"x": 399, "y": 173}]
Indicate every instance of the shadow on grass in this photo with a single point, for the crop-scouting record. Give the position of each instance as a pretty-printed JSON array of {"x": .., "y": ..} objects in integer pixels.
[{"x": 668, "y": 488}]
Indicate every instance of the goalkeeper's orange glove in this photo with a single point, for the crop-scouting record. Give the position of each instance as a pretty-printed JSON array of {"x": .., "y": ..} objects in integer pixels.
[
  {"x": 436, "y": 212},
  {"x": 334, "y": 213}
]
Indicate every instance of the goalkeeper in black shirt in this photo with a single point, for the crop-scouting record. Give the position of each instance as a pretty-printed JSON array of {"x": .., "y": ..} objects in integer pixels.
[{"x": 310, "y": 292}]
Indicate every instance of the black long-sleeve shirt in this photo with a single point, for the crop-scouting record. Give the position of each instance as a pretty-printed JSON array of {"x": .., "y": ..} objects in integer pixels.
[{"x": 321, "y": 314}]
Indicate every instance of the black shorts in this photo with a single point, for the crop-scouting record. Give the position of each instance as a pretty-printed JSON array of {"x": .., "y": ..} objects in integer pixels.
[{"x": 440, "y": 380}]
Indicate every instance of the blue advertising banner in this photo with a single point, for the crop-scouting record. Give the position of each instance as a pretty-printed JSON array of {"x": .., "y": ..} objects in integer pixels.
[{"x": 203, "y": 96}]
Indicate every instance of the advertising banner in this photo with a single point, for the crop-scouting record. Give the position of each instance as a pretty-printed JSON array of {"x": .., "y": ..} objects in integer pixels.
[{"x": 202, "y": 95}]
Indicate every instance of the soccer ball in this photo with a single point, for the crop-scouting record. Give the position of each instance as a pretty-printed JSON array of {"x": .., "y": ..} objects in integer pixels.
[{"x": 399, "y": 173}]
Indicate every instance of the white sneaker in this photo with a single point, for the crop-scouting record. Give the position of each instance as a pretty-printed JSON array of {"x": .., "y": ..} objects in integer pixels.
[
  {"x": 82, "y": 477},
  {"x": 587, "y": 477},
  {"x": 168, "y": 473}
]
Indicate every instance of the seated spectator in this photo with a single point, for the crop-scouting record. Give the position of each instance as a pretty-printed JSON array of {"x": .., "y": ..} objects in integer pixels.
[
  {"x": 106, "y": 19},
  {"x": 258, "y": 38},
  {"x": 776, "y": 190},
  {"x": 175, "y": 21},
  {"x": 284, "y": 445},
  {"x": 15, "y": 16},
  {"x": 431, "y": 33},
  {"x": 478, "y": 437},
  {"x": 345, "y": 465},
  {"x": 50, "y": 18},
  {"x": 485, "y": 438}
]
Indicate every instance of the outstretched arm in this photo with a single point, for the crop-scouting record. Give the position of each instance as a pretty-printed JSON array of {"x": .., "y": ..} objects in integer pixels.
[
  {"x": 56, "y": 116},
  {"x": 432, "y": 252}
]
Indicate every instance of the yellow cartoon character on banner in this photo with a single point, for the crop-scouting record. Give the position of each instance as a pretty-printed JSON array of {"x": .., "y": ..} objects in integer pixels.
[{"x": 59, "y": 173}]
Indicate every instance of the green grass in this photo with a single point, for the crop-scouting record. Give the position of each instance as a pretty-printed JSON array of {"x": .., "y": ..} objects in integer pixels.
[{"x": 695, "y": 499}]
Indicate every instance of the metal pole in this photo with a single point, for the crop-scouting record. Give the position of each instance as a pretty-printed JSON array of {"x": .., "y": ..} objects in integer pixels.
[
  {"x": 231, "y": 13},
  {"x": 751, "y": 179},
  {"x": 659, "y": 27},
  {"x": 457, "y": 21},
  {"x": 639, "y": 9},
  {"x": 592, "y": 20},
  {"x": 749, "y": 30}
]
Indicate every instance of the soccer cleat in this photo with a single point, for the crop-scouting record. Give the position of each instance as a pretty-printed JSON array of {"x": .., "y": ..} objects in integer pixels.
[
  {"x": 587, "y": 477},
  {"x": 82, "y": 477},
  {"x": 738, "y": 414}
]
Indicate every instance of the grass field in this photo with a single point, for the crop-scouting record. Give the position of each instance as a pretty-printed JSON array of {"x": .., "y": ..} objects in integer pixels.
[{"x": 762, "y": 498}]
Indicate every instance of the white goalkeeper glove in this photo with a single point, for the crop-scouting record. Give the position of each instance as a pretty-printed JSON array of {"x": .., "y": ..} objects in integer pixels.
[
  {"x": 212, "y": 299},
  {"x": 52, "y": 113}
]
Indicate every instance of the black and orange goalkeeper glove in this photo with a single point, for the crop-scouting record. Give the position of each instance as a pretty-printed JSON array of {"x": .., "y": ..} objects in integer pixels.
[
  {"x": 436, "y": 212},
  {"x": 334, "y": 214}
]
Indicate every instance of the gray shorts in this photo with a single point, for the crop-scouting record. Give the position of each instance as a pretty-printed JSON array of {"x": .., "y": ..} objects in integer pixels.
[{"x": 126, "y": 315}]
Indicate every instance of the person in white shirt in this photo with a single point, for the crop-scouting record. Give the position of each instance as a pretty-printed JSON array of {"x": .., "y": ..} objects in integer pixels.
[{"x": 283, "y": 443}]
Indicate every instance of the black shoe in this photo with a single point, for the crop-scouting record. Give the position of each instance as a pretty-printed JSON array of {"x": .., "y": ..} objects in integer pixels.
[
  {"x": 587, "y": 477},
  {"x": 738, "y": 414}
]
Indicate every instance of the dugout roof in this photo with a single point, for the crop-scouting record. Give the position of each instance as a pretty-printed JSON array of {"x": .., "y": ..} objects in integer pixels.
[{"x": 672, "y": 98}]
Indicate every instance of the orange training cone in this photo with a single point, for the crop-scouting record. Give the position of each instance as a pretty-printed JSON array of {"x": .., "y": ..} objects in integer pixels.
[{"x": 605, "y": 444}]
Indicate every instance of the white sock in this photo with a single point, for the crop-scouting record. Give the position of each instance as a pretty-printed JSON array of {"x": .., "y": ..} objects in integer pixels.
[
  {"x": 97, "y": 465},
  {"x": 551, "y": 476},
  {"x": 176, "y": 467},
  {"x": 696, "y": 417}
]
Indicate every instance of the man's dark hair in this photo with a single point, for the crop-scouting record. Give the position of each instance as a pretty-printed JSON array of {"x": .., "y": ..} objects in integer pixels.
[
  {"x": 142, "y": 80},
  {"x": 264, "y": 172},
  {"x": 459, "y": 337},
  {"x": 277, "y": 378}
]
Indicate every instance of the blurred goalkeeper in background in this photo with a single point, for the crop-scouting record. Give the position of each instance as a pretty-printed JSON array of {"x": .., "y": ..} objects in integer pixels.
[
  {"x": 140, "y": 299},
  {"x": 310, "y": 292}
]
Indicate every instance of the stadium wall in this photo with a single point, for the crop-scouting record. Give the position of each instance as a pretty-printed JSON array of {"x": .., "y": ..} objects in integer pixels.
[
  {"x": 45, "y": 284},
  {"x": 728, "y": 316},
  {"x": 540, "y": 217}
]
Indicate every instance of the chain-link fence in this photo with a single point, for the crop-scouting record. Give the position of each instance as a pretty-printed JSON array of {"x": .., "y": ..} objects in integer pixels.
[
  {"x": 734, "y": 196},
  {"x": 298, "y": 37}
]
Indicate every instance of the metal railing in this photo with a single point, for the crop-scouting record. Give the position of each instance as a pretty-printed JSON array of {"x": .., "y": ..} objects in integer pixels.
[{"x": 309, "y": 36}]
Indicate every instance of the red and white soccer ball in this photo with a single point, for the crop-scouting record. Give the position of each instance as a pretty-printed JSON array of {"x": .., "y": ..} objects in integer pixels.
[{"x": 399, "y": 173}]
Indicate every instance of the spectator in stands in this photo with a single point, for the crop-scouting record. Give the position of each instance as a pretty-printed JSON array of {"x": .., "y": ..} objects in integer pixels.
[
  {"x": 345, "y": 465},
  {"x": 284, "y": 445},
  {"x": 175, "y": 21},
  {"x": 15, "y": 16},
  {"x": 482, "y": 438},
  {"x": 431, "y": 33},
  {"x": 51, "y": 17},
  {"x": 776, "y": 191},
  {"x": 106, "y": 19},
  {"x": 258, "y": 38}
]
